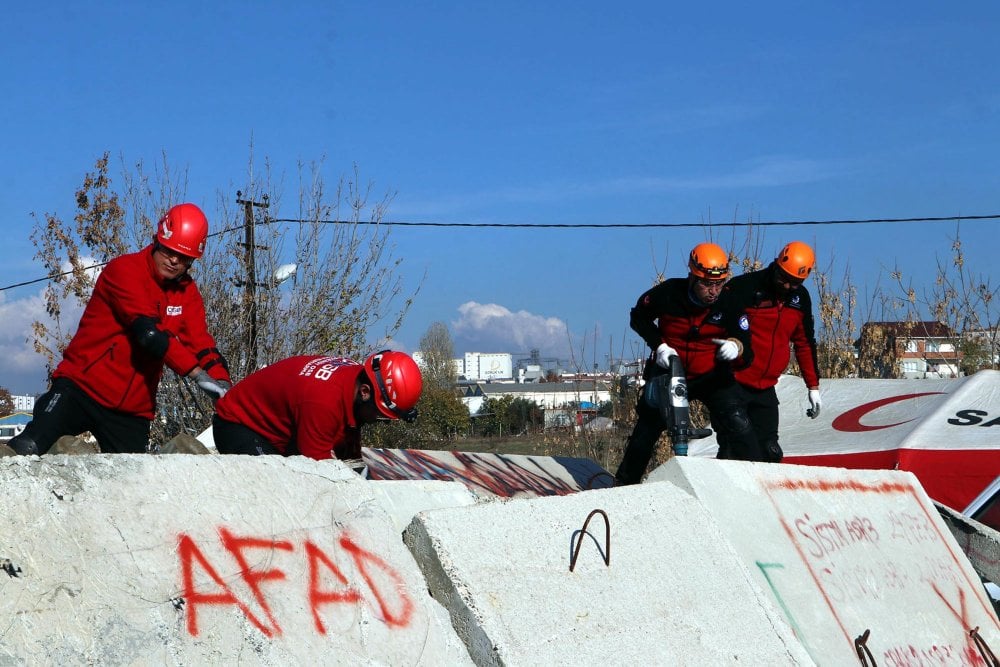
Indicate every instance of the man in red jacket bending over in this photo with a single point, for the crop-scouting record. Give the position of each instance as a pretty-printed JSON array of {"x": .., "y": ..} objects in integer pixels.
[
  {"x": 145, "y": 312},
  {"x": 315, "y": 406},
  {"x": 780, "y": 312}
]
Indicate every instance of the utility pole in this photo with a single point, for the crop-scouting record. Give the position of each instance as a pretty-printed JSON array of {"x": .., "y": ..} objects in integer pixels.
[{"x": 250, "y": 260}]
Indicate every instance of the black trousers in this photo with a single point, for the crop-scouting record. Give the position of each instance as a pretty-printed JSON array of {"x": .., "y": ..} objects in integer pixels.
[
  {"x": 762, "y": 409},
  {"x": 727, "y": 410},
  {"x": 65, "y": 409},
  {"x": 233, "y": 438}
]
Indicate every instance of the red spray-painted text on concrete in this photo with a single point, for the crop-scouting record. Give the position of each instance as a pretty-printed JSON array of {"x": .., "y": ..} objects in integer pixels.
[{"x": 390, "y": 599}]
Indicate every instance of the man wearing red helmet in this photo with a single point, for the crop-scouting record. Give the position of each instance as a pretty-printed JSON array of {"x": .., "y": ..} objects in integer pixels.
[
  {"x": 685, "y": 317},
  {"x": 315, "y": 406},
  {"x": 145, "y": 312},
  {"x": 781, "y": 318}
]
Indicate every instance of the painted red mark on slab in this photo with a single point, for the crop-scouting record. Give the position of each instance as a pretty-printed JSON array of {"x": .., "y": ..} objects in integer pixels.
[
  {"x": 253, "y": 578},
  {"x": 383, "y": 583},
  {"x": 859, "y": 559},
  {"x": 189, "y": 554},
  {"x": 365, "y": 560},
  {"x": 839, "y": 485},
  {"x": 318, "y": 597}
]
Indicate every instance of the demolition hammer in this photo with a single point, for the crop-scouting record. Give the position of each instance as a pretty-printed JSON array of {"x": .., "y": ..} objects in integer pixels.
[{"x": 668, "y": 394}]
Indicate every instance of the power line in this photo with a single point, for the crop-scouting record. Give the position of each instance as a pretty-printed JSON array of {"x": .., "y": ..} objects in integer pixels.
[
  {"x": 649, "y": 225},
  {"x": 616, "y": 225},
  {"x": 527, "y": 225}
]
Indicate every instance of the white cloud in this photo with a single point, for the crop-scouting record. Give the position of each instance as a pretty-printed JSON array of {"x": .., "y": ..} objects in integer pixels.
[
  {"x": 22, "y": 370},
  {"x": 490, "y": 327}
]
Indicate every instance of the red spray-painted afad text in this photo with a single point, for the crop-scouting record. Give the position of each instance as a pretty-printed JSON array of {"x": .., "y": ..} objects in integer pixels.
[{"x": 371, "y": 580}]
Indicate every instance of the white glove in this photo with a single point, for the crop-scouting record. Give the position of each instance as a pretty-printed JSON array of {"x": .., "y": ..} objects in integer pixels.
[
  {"x": 815, "y": 403},
  {"x": 663, "y": 354},
  {"x": 215, "y": 389},
  {"x": 728, "y": 350}
]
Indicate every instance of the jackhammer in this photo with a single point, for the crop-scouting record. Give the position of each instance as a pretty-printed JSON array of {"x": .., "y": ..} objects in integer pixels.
[{"x": 668, "y": 394}]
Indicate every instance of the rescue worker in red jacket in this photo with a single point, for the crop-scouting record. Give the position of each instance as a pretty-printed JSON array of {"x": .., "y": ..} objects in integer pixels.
[
  {"x": 781, "y": 318},
  {"x": 688, "y": 318},
  {"x": 145, "y": 311},
  {"x": 315, "y": 406}
]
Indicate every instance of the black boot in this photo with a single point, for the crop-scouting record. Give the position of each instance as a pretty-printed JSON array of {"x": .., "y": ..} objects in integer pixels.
[{"x": 23, "y": 446}]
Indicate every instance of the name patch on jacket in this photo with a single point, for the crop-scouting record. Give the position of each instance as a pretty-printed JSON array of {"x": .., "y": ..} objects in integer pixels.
[{"x": 174, "y": 310}]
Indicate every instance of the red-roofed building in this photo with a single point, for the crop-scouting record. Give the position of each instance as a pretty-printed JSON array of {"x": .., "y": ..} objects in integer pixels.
[{"x": 908, "y": 350}]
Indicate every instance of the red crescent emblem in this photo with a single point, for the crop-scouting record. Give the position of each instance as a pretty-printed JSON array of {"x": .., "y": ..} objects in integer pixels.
[{"x": 850, "y": 421}]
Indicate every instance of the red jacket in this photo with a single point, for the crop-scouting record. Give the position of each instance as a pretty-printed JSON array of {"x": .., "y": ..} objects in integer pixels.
[
  {"x": 667, "y": 314},
  {"x": 301, "y": 405},
  {"x": 103, "y": 358},
  {"x": 774, "y": 323}
]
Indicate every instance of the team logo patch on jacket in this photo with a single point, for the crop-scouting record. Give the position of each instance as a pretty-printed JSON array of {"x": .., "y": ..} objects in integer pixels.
[
  {"x": 796, "y": 301},
  {"x": 715, "y": 317},
  {"x": 174, "y": 310},
  {"x": 744, "y": 322}
]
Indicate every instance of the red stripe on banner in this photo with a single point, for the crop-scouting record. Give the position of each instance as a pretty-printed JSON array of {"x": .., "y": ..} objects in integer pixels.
[
  {"x": 952, "y": 477},
  {"x": 885, "y": 460}
]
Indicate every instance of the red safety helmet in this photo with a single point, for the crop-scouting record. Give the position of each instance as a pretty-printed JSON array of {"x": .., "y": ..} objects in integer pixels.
[
  {"x": 183, "y": 229},
  {"x": 796, "y": 259},
  {"x": 709, "y": 262},
  {"x": 397, "y": 383}
]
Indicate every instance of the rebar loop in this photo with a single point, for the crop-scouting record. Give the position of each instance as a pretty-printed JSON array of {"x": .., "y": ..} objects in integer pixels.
[
  {"x": 983, "y": 648},
  {"x": 864, "y": 653},
  {"x": 583, "y": 531}
]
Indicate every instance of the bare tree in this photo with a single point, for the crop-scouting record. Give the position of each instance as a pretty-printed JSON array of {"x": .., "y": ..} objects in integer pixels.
[
  {"x": 70, "y": 251},
  {"x": 437, "y": 354},
  {"x": 836, "y": 309},
  {"x": 960, "y": 299},
  {"x": 442, "y": 412},
  {"x": 6, "y": 402},
  {"x": 346, "y": 281}
]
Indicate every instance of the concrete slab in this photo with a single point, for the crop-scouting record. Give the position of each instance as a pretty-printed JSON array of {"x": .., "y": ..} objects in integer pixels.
[
  {"x": 403, "y": 500},
  {"x": 979, "y": 542},
  {"x": 139, "y": 559},
  {"x": 848, "y": 552},
  {"x": 673, "y": 592}
]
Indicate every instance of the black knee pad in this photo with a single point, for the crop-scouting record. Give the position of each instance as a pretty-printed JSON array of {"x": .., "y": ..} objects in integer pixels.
[
  {"x": 734, "y": 422},
  {"x": 772, "y": 451}
]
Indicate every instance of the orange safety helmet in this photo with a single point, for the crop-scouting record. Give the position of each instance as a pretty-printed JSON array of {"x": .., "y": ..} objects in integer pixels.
[
  {"x": 183, "y": 229},
  {"x": 709, "y": 262},
  {"x": 796, "y": 259},
  {"x": 397, "y": 382}
]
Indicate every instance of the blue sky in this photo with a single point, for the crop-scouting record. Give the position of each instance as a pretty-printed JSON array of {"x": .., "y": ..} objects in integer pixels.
[{"x": 525, "y": 112}]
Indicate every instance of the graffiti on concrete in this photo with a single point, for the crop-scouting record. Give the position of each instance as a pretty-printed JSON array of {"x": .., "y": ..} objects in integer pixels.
[
  {"x": 861, "y": 562},
  {"x": 369, "y": 581},
  {"x": 499, "y": 474}
]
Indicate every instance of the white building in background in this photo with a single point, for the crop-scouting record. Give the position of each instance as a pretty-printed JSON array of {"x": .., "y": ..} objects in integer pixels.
[
  {"x": 551, "y": 395},
  {"x": 457, "y": 364},
  {"x": 23, "y": 403},
  {"x": 566, "y": 404},
  {"x": 488, "y": 366}
]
